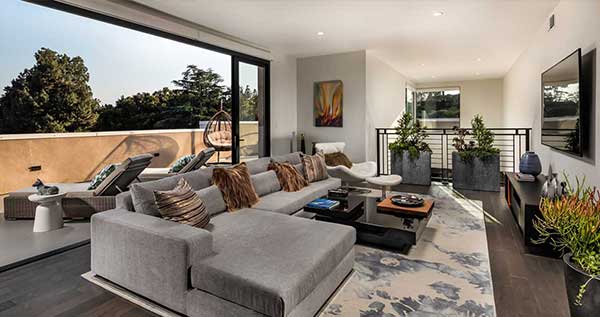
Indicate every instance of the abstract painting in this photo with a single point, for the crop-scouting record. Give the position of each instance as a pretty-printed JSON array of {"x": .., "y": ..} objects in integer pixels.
[{"x": 328, "y": 108}]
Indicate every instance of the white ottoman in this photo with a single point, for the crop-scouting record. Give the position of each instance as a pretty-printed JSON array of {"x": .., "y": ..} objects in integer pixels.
[
  {"x": 385, "y": 181},
  {"x": 49, "y": 212}
]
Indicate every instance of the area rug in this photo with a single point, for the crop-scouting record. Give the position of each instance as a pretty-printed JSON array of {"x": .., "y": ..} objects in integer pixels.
[{"x": 446, "y": 274}]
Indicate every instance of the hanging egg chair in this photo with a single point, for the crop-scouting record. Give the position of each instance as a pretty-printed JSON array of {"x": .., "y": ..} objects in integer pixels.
[{"x": 217, "y": 133}]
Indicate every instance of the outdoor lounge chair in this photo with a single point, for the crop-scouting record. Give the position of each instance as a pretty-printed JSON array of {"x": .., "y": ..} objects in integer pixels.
[
  {"x": 153, "y": 173},
  {"x": 79, "y": 201}
]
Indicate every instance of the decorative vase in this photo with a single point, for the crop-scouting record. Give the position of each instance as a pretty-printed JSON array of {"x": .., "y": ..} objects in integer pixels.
[{"x": 530, "y": 164}]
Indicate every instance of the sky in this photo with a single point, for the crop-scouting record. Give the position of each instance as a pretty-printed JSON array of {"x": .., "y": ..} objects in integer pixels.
[{"x": 120, "y": 61}]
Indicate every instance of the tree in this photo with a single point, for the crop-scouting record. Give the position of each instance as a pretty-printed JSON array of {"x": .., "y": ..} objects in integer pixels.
[
  {"x": 248, "y": 104},
  {"x": 52, "y": 96}
]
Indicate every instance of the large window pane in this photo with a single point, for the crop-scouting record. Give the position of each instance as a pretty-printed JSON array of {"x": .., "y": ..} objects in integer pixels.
[{"x": 438, "y": 108}]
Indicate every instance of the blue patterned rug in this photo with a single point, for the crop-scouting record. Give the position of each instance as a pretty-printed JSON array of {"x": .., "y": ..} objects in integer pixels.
[{"x": 446, "y": 274}]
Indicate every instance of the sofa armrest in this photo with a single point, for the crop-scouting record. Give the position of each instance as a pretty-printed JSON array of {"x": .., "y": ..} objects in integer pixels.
[{"x": 147, "y": 255}]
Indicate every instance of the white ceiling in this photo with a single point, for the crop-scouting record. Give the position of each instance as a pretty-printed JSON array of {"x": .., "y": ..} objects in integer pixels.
[{"x": 403, "y": 33}]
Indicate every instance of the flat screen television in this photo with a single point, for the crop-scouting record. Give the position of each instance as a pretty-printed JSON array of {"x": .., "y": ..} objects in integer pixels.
[{"x": 561, "y": 106}]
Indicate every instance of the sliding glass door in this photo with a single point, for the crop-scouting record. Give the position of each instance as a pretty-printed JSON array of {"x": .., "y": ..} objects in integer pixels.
[{"x": 251, "y": 108}]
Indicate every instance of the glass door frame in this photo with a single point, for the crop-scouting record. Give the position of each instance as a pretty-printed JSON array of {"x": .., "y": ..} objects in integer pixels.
[{"x": 235, "y": 106}]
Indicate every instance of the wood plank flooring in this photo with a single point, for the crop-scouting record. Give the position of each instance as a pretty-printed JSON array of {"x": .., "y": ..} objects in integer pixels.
[{"x": 524, "y": 285}]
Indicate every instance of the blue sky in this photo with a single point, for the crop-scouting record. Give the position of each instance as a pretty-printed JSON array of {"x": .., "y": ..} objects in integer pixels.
[{"x": 120, "y": 61}]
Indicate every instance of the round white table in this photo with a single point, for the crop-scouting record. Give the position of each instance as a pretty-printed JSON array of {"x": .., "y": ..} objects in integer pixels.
[
  {"x": 385, "y": 181},
  {"x": 48, "y": 213}
]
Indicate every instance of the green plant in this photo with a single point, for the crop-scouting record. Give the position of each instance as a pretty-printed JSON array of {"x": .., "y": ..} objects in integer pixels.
[
  {"x": 571, "y": 223},
  {"x": 483, "y": 145},
  {"x": 411, "y": 137}
]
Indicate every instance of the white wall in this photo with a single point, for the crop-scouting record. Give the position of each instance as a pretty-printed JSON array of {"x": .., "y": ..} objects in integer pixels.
[
  {"x": 577, "y": 26},
  {"x": 385, "y": 99},
  {"x": 283, "y": 103},
  {"x": 350, "y": 69},
  {"x": 482, "y": 97}
]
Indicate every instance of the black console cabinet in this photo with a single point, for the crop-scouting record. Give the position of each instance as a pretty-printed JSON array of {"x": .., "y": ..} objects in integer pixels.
[{"x": 523, "y": 200}]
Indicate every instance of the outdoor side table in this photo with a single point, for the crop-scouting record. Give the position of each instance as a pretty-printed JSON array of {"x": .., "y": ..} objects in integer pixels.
[{"x": 48, "y": 213}]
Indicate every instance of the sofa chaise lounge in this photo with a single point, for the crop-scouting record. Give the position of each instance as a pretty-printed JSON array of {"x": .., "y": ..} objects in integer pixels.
[{"x": 268, "y": 260}]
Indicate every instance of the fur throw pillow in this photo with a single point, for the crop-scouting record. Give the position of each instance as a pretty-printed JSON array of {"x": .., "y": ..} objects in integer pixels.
[
  {"x": 289, "y": 177},
  {"x": 338, "y": 158},
  {"x": 236, "y": 186}
]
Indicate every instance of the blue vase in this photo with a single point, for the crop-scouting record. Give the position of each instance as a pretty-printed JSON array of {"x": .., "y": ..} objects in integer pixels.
[{"x": 530, "y": 164}]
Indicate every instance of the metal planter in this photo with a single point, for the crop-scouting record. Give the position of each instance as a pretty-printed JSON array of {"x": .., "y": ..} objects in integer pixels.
[
  {"x": 476, "y": 174},
  {"x": 413, "y": 171}
]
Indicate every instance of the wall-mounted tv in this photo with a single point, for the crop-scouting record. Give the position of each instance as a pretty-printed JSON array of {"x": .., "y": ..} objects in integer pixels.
[{"x": 561, "y": 107}]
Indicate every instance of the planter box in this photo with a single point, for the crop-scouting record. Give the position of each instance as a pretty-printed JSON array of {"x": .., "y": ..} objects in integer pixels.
[
  {"x": 574, "y": 278},
  {"x": 413, "y": 171},
  {"x": 477, "y": 174}
]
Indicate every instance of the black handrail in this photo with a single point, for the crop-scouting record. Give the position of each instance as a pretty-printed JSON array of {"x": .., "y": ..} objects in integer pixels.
[{"x": 512, "y": 142}]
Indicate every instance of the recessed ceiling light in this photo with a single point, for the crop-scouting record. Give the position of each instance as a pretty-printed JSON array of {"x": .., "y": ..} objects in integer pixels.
[
  {"x": 422, "y": 64},
  {"x": 477, "y": 74},
  {"x": 438, "y": 13},
  {"x": 320, "y": 33},
  {"x": 478, "y": 59},
  {"x": 433, "y": 76}
]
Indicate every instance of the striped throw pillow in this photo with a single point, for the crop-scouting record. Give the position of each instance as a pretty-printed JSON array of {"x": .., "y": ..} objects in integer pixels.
[
  {"x": 314, "y": 168},
  {"x": 181, "y": 204}
]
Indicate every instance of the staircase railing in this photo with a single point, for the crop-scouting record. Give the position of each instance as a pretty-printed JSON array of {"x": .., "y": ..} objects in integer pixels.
[{"x": 512, "y": 142}]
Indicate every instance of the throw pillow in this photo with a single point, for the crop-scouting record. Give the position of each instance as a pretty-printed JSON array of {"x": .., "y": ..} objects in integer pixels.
[
  {"x": 236, "y": 186},
  {"x": 314, "y": 168},
  {"x": 181, "y": 204},
  {"x": 102, "y": 175},
  {"x": 181, "y": 163},
  {"x": 338, "y": 158},
  {"x": 289, "y": 177}
]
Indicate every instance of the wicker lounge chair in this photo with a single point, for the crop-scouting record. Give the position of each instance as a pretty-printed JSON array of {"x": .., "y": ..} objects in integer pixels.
[
  {"x": 153, "y": 173},
  {"x": 79, "y": 201}
]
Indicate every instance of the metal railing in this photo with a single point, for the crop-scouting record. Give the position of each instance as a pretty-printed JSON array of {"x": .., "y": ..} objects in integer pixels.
[{"x": 512, "y": 142}]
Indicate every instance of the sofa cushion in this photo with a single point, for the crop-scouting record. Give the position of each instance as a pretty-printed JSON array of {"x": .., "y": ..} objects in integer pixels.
[
  {"x": 142, "y": 194},
  {"x": 269, "y": 262},
  {"x": 181, "y": 204},
  {"x": 293, "y": 158},
  {"x": 258, "y": 165},
  {"x": 289, "y": 177},
  {"x": 236, "y": 186},
  {"x": 265, "y": 183},
  {"x": 213, "y": 199},
  {"x": 290, "y": 202}
]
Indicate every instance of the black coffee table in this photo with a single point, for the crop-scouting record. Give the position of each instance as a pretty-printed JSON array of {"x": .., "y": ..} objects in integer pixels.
[{"x": 374, "y": 227}]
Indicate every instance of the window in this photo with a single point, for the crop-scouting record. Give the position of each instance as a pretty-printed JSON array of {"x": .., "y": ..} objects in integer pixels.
[
  {"x": 438, "y": 107},
  {"x": 410, "y": 100}
]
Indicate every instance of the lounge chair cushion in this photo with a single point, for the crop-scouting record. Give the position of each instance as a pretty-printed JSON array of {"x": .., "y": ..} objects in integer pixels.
[
  {"x": 102, "y": 175},
  {"x": 142, "y": 194},
  {"x": 181, "y": 163},
  {"x": 291, "y": 202},
  {"x": 269, "y": 262}
]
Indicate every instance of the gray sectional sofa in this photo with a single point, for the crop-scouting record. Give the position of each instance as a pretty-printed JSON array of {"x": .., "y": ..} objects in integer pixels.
[{"x": 268, "y": 260}]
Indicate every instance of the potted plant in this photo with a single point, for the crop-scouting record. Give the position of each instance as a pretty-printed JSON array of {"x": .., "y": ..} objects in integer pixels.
[
  {"x": 476, "y": 163},
  {"x": 571, "y": 224},
  {"x": 410, "y": 155}
]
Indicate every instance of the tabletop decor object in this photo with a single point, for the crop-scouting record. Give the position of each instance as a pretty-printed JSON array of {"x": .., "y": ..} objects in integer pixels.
[{"x": 530, "y": 164}]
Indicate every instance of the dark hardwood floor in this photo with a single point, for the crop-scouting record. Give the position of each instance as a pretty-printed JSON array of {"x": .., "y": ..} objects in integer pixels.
[{"x": 524, "y": 285}]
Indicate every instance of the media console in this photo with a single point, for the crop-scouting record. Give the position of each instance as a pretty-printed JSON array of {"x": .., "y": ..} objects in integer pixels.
[{"x": 523, "y": 200}]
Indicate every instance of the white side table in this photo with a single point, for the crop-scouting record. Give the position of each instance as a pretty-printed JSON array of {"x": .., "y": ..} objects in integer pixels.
[
  {"x": 385, "y": 181},
  {"x": 49, "y": 212}
]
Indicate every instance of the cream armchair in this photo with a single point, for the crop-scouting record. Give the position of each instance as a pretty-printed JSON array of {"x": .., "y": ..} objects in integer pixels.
[{"x": 359, "y": 171}]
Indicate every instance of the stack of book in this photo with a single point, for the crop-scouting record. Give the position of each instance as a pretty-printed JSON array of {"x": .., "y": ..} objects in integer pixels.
[
  {"x": 339, "y": 194},
  {"x": 525, "y": 177},
  {"x": 323, "y": 203}
]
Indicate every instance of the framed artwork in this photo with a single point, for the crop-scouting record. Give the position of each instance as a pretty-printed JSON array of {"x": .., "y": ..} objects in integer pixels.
[{"x": 329, "y": 103}]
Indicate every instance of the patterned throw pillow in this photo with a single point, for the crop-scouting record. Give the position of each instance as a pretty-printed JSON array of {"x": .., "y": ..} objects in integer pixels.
[
  {"x": 181, "y": 162},
  {"x": 102, "y": 175},
  {"x": 315, "y": 168},
  {"x": 338, "y": 158},
  {"x": 290, "y": 179},
  {"x": 181, "y": 204},
  {"x": 236, "y": 186}
]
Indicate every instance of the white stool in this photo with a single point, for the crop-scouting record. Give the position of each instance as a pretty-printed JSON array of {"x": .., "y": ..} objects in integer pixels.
[
  {"x": 385, "y": 181},
  {"x": 49, "y": 212}
]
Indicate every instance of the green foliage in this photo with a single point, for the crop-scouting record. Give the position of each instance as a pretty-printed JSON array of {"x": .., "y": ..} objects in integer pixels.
[
  {"x": 411, "y": 136},
  {"x": 438, "y": 104},
  {"x": 52, "y": 96},
  {"x": 481, "y": 147},
  {"x": 571, "y": 223},
  {"x": 248, "y": 104}
]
